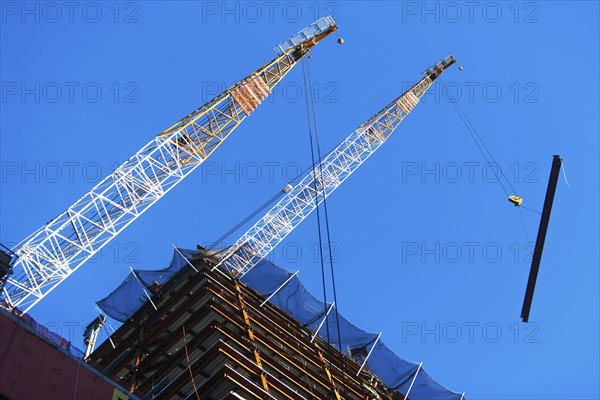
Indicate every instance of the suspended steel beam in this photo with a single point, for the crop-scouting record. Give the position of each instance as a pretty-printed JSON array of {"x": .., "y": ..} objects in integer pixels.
[{"x": 541, "y": 237}]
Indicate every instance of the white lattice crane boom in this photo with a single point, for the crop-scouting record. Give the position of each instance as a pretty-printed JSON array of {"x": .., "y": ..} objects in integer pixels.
[
  {"x": 52, "y": 253},
  {"x": 327, "y": 175}
]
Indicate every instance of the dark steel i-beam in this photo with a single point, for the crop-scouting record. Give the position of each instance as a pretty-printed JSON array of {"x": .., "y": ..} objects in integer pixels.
[{"x": 541, "y": 237}]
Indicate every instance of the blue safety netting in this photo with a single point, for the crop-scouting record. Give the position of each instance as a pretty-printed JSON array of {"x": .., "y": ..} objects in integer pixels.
[
  {"x": 295, "y": 300},
  {"x": 133, "y": 293}
]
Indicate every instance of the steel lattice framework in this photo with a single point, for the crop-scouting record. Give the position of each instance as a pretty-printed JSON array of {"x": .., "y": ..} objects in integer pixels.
[
  {"x": 324, "y": 178},
  {"x": 52, "y": 253}
]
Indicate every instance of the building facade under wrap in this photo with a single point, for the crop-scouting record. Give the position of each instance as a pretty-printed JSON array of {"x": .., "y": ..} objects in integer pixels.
[{"x": 192, "y": 332}]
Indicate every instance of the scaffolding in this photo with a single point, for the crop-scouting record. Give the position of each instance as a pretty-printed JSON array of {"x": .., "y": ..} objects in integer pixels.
[{"x": 215, "y": 338}]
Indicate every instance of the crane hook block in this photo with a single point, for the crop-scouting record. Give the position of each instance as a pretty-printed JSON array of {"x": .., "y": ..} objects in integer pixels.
[{"x": 516, "y": 200}]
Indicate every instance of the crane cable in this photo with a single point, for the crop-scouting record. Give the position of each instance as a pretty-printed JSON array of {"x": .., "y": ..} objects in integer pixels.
[
  {"x": 482, "y": 146},
  {"x": 329, "y": 250},
  {"x": 291, "y": 184},
  {"x": 485, "y": 152},
  {"x": 314, "y": 172},
  {"x": 243, "y": 222},
  {"x": 279, "y": 194},
  {"x": 307, "y": 87},
  {"x": 524, "y": 227}
]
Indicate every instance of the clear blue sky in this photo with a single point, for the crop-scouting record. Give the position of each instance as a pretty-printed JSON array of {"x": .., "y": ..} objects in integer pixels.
[{"x": 428, "y": 250}]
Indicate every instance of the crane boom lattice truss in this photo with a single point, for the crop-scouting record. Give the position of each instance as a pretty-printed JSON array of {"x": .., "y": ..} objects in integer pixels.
[
  {"x": 327, "y": 175},
  {"x": 51, "y": 254}
]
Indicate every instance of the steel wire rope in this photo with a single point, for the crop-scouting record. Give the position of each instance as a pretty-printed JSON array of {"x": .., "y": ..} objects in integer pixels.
[
  {"x": 328, "y": 234},
  {"x": 314, "y": 172}
]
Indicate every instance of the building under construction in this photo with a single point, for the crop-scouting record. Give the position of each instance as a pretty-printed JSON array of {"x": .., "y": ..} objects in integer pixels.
[
  {"x": 214, "y": 324},
  {"x": 207, "y": 334}
]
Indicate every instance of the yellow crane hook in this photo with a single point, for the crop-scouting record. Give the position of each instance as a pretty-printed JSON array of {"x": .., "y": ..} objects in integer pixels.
[{"x": 516, "y": 200}]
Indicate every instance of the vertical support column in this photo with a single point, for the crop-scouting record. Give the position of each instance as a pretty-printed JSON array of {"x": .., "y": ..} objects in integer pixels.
[
  {"x": 329, "y": 376},
  {"x": 263, "y": 376},
  {"x": 138, "y": 358}
]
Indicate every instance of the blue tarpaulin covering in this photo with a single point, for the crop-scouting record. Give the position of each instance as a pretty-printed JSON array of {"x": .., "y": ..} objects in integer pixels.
[
  {"x": 130, "y": 296},
  {"x": 295, "y": 300}
]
